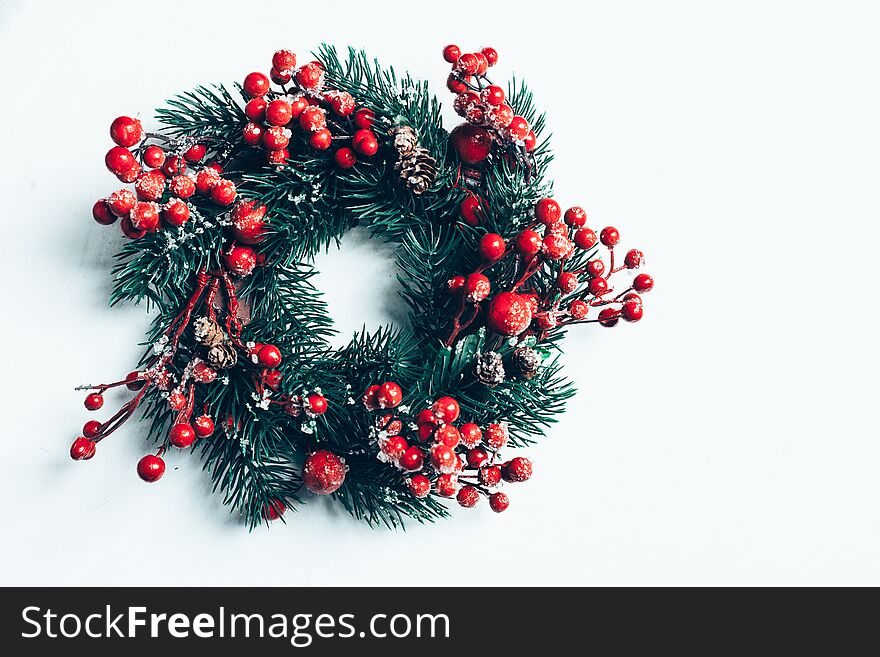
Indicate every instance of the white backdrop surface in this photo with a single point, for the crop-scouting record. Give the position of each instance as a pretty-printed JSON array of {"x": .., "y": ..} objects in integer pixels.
[{"x": 729, "y": 438}]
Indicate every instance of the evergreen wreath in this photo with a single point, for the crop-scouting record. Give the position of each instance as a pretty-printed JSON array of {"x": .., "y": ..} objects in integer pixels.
[{"x": 241, "y": 189}]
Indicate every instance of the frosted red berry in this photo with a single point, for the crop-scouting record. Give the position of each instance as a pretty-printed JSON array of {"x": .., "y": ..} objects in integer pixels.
[
  {"x": 182, "y": 435},
  {"x": 389, "y": 395},
  {"x": 609, "y": 236},
  {"x": 126, "y": 131},
  {"x": 468, "y": 497},
  {"x": 419, "y": 486},
  {"x": 585, "y": 238},
  {"x": 643, "y": 283},
  {"x": 256, "y": 84},
  {"x": 498, "y": 502}
]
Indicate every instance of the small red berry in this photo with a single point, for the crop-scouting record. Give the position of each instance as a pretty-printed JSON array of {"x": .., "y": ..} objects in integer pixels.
[
  {"x": 82, "y": 449},
  {"x": 92, "y": 428},
  {"x": 278, "y": 112},
  {"x": 634, "y": 259},
  {"x": 203, "y": 425},
  {"x": 451, "y": 53},
  {"x": 517, "y": 469},
  {"x": 576, "y": 216},
  {"x": 273, "y": 510},
  {"x": 448, "y": 435},
  {"x": 493, "y": 95},
  {"x": 547, "y": 211},
  {"x": 151, "y": 468},
  {"x": 240, "y": 260},
  {"x": 467, "y": 64},
  {"x": 94, "y": 401},
  {"x": 477, "y": 287},
  {"x": 578, "y": 309},
  {"x": 154, "y": 156},
  {"x": 444, "y": 458},
  {"x": 643, "y": 283},
  {"x": 491, "y": 55},
  {"x": 284, "y": 60},
  {"x": 173, "y": 166},
  {"x": 471, "y": 435},
  {"x": 121, "y": 202},
  {"x": 446, "y": 409},
  {"x": 419, "y": 485},
  {"x": 102, "y": 213},
  {"x": 321, "y": 140},
  {"x": 468, "y": 497},
  {"x": 269, "y": 356},
  {"x": 518, "y": 128},
  {"x": 119, "y": 160},
  {"x": 585, "y": 238},
  {"x": 598, "y": 286},
  {"x": 472, "y": 143},
  {"x": 256, "y": 84},
  {"x": 345, "y": 158},
  {"x": 609, "y": 236},
  {"x": 389, "y": 395},
  {"x": 316, "y": 404},
  {"x": 490, "y": 476},
  {"x": 195, "y": 153},
  {"x": 278, "y": 157},
  {"x": 595, "y": 267},
  {"x": 370, "y": 398},
  {"x": 495, "y": 436},
  {"x": 568, "y": 282},
  {"x": 491, "y": 247},
  {"x": 477, "y": 457},
  {"x": 446, "y": 484},
  {"x": 609, "y": 317},
  {"x": 182, "y": 186},
  {"x": 126, "y": 131},
  {"x": 364, "y": 118},
  {"x": 255, "y": 109},
  {"x": 182, "y": 435},
  {"x": 498, "y": 502},
  {"x": 412, "y": 459},
  {"x": 455, "y": 283},
  {"x": 632, "y": 310},
  {"x": 471, "y": 209},
  {"x": 223, "y": 193},
  {"x": 557, "y": 247},
  {"x": 528, "y": 242},
  {"x": 175, "y": 213}
]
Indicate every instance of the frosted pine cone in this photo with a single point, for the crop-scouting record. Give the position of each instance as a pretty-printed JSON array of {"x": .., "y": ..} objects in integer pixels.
[
  {"x": 526, "y": 362},
  {"x": 208, "y": 332},
  {"x": 418, "y": 169},
  {"x": 490, "y": 369},
  {"x": 405, "y": 139},
  {"x": 222, "y": 356}
]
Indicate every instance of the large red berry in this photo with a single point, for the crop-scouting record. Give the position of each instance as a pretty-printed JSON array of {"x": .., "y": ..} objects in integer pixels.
[
  {"x": 598, "y": 286},
  {"x": 276, "y": 138},
  {"x": 252, "y": 134},
  {"x": 324, "y": 472},
  {"x": 491, "y": 55},
  {"x": 578, "y": 309},
  {"x": 467, "y": 64},
  {"x": 498, "y": 502},
  {"x": 121, "y": 202},
  {"x": 547, "y": 211},
  {"x": 477, "y": 457},
  {"x": 151, "y": 468},
  {"x": 94, "y": 401},
  {"x": 528, "y": 242},
  {"x": 472, "y": 143},
  {"x": 256, "y": 84},
  {"x": 182, "y": 186},
  {"x": 557, "y": 247},
  {"x": 269, "y": 356},
  {"x": 447, "y": 435},
  {"x": 182, "y": 435},
  {"x": 102, "y": 213},
  {"x": 310, "y": 76},
  {"x": 223, "y": 193},
  {"x": 175, "y": 212},
  {"x": 150, "y": 186},
  {"x": 509, "y": 313},
  {"x": 491, "y": 247},
  {"x": 643, "y": 283},
  {"x": 576, "y": 216},
  {"x": 447, "y": 484},
  {"x": 240, "y": 260},
  {"x": 633, "y": 259},
  {"x": 495, "y": 436},
  {"x": 363, "y": 118},
  {"x": 126, "y": 131},
  {"x": 493, "y": 95},
  {"x": 119, "y": 160},
  {"x": 446, "y": 409},
  {"x": 471, "y": 435},
  {"x": 145, "y": 216},
  {"x": 568, "y": 282},
  {"x": 284, "y": 60},
  {"x": 255, "y": 109},
  {"x": 389, "y": 395},
  {"x": 443, "y": 458},
  {"x": 490, "y": 475},
  {"x": 278, "y": 112},
  {"x": 203, "y": 425},
  {"x": 609, "y": 317},
  {"x": 419, "y": 485},
  {"x": 345, "y": 158},
  {"x": 316, "y": 404},
  {"x": 517, "y": 469},
  {"x": 82, "y": 449},
  {"x": 632, "y": 309},
  {"x": 518, "y": 128}
]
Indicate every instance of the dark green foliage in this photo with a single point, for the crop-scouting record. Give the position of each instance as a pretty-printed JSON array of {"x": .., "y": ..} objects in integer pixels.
[{"x": 255, "y": 454}]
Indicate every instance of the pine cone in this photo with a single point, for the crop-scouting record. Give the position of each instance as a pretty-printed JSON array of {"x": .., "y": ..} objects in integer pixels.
[
  {"x": 405, "y": 139},
  {"x": 418, "y": 169},
  {"x": 490, "y": 369},
  {"x": 526, "y": 362},
  {"x": 223, "y": 355},
  {"x": 208, "y": 332}
]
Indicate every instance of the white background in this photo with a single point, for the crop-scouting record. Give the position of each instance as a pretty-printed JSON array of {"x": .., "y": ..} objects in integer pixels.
[{"x": 729, "y": 438}]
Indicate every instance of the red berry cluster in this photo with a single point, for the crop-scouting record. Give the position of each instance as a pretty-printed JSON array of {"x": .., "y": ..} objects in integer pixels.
[
  {"x": 483, "y": 104},
  {"x": 303, "y": 104},
  {"x": 452, "y": 459},
  {"x": 165, "y": 172},
  {"x": 521, "y": 308}
]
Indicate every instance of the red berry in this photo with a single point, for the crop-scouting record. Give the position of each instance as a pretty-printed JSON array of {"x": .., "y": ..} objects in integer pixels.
[
  {"x": 173, "y": 166},
  {"x": 468, "y": 497},
  {"x": 557, "y": 247},
  {"x": 151, "y": 468},
  {"x": 578, "y": 309},
  {"x": 276, "y": 138},
  {"x": 477, "y": 457},
  {"x": 476, "y": 287},
  {"x": 154, "y": 156},
  {"x": 609, "y": 236},
  {"x": 502, "y": 115},
  {"x": 491, "y": 55},
  {"x": 547, "y": 211},
  {"x": 150, "y": 186},
  {"x": 255, "y": 109},
  {"x": 517, "y": 469},
  {"x": 509, "y": 313},
  {"x": 316, "y": 404},
  {"x": 345, "y": 158},
  {"x": 493, "y": 95},
  {"x": 426, "y": 417},
  {"x": 412, "y": 459},
  {"x": 585, "y": 238},
  {"x": 367, "y": 145},
  {"x": 223, "y": 193},
  {"x": 394, "y": 446},
  {"x": 595, "y": 267},
  {"x": 518, "y": 128},
  {"x": 364, "y": 118},
  {"x": 472, "y": 209},
  {"x": 195, "y": 153},
  {"x": 568, "y": 282},
  {"x": 129, "y": 230},
  {"x": 457, "y": 85},
  {"x": 495, "y": 436},
  {"x": 530, "y": 141},
  {"x": 467, "y": 64},
  {"x": 253, "y": 134},
  {"x": 278, "y": 112},
  {"x": 182, "y": 186},
  {"x": 175, "y": 213},
  {"x": 632, "y": 310},
  {"x": 273, "y": 379},
  {"x": 341, "y": 102},
  {"x": 419, "y": 486},
  {"x": 444, "y": 458},
  {"x": 248, "y": 222},
  {"x": 370, "y": 398},
  {"x": 389, "y": 395},
  {"x": 94, "y": 401},
  {"x": 528, "y": 242},
  {"x": 121, "y": 202},
  {"x": 451, "y": 53},
  {"x": 448, "y": 435},
  {"x": 312, "y": 119},
  {"x": 269, "y": 356},
  {"x": 310, "y": 76},
  {"x": 576, "y": 216},
  {"x": 471, "y": 435},
  {"x": 634, "y": 259},
  {"x": 182, "y": 435},
  {"x": 609, "y": 317},
  {"x": 256, "y": 84},
  {"x": 206, "y": 179},
  {"x": 126, "y": 131},
  {"x": 119, "y": 160},
  {"x": 92, "y": 428},
  {"x": 491, "y": 247},
  {"x": 82, "y": 449},
  {"x": 643, "y": 283},
  {"x": 278, "y": 157},
  {"x": 482, "y": 63},
  {"x": 273, "y": 510},
  {"x": 472, "y": 143},
  {"x": 102, "y": 213},
  {"x": 498, "y": 502},
  {"x": 203, "y": 425},
  {"x": 323, "y": 472},
  {"x": 284, "y": 60},
  {"x": 490, "y": 476},
  {"x": 240, "y": 260},
  {"x": 321, "y": 139},
  {"x": 446, "y": 484},
  {"x": 446, "y": 409},
  {"x": 598, "y": 286},
  {"x": 455, "y": 283}
]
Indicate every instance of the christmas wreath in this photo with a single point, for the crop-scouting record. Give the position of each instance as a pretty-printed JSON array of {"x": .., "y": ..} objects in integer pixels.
[{"x": 237, "y": 192}]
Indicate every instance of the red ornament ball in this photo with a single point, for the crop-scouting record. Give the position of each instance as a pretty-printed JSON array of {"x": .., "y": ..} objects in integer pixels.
[
  {"x": 491, "y": 247},
  {"x": 240, "y": 260},
  {"x": 468, "y": 497},
  {"x": 498, "y": 502},
  {"x": 509, "y": 313},
  {"x": 126, "y": 131},
  {"x": 643, "y": 283},
  {"x": 82, "y": 449},
  {"x": 446, "y": 409},
  {"x": 182, "y": 435},
  {"x": 419, "y": 485},
  {"x": 389, "y": 395},
  {"x": 472, "y": 143},
  {"x": 203, "y": 425},
  {"x": 151, "y": 468},
  {"x": 248, "y": 222},
  {"x": 256, "y": 85},
  {"x": 323, "y": 472},
  {"x": 94, "y": 401}
]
